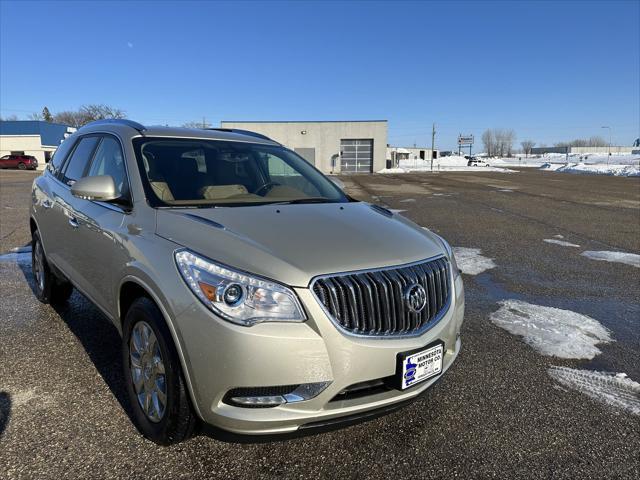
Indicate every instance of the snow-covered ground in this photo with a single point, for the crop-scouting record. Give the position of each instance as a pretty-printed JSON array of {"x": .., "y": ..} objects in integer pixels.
[
  {"x": 442, "y": 164},
  {"x": 562, "y": 243},
  {"x": 594, "y": 169},
  {"x": 471, "y": 261},
  {"x": 552, "y": 331},
  {"x": 632, "y": 259},
  {"x": 613, "y": 389}
]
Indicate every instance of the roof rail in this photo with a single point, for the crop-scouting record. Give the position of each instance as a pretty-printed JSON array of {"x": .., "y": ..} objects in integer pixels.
[
  {"x": 120, "y": 121},
  {"x": 244, "y": 132}
]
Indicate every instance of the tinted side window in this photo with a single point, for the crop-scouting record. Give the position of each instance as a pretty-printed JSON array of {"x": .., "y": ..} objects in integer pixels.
[
  {"x": 109, "y": 160},
  {"x": 75, "y": 167},
  {"x": 59, "y": 156}
]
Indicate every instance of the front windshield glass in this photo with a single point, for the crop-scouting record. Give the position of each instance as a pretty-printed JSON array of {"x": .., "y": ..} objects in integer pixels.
[{"x": 193, "y": 172}]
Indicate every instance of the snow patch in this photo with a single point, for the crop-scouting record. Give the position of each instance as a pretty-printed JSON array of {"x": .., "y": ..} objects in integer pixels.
[
  {"x": 408, "y": 200},
  {"x": 560, "y": 242},
  {"x": 618, "y": 257},
  {"x": 395, "y": 210},
  {"x": 471, "y": 261},
  {"x": 558, "y": 236},
  {"x": 594, "y": 169},
  {"x": 552, "y": 331},
  {"x": 442, "y": 164},
  {"x": 613, "y": 389}
]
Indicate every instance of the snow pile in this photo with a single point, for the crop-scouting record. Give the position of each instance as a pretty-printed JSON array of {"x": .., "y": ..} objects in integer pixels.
[
  {"x": 618, "y": 257},
  {"x": 552, "y": 331},
  {"x": 471, "y": 261},
  {"x": 594, "y": 169},
  {"x": 560, "y": 242},
  {"x": 442, "y": 164},
  {"x": 610, "y": 388},
  {"x": 519, "y": 161}
]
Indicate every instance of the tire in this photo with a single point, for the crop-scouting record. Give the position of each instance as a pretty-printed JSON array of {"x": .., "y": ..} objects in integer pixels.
[
  {"x": 48, "y": 288},
  {"x": 174, "y": 421},
  {"x": 21, "y": 166}
]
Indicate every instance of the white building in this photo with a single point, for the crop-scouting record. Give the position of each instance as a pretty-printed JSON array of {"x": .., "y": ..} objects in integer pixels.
[
  {"x": 332, "y": 146},
  {"x": 32, "y": 137}
]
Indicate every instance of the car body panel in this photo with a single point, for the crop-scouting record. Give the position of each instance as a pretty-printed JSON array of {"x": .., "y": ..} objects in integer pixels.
[{"x": 294, "y": 243}]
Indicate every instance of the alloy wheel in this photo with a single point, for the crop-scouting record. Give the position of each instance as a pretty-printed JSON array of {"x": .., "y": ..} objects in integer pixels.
[{"x": 148, "y": 371}]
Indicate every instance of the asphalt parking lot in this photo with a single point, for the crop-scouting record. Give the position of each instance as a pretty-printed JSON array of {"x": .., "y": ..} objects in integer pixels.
[{"x": 496, "y": 413}]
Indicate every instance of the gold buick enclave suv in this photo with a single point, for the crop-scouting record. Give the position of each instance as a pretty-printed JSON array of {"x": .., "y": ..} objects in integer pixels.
[{"x": 251, "y": 292}]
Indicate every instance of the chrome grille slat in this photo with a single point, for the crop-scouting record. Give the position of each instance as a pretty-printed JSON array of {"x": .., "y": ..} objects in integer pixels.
[{"x": 373, "y": 302}]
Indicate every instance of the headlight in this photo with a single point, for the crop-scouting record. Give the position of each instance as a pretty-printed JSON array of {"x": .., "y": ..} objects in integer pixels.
[{"x": 236, "y": 296}]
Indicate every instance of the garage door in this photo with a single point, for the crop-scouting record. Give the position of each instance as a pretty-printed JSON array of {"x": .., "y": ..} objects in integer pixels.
[{"x": 356, "y": 156}]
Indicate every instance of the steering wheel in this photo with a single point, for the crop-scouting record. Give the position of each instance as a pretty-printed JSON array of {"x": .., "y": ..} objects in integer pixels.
[{"x": 266, "y": 187}]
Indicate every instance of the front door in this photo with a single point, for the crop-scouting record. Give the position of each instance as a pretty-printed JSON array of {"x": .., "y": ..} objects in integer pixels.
[{"x": 99, "y": 228}]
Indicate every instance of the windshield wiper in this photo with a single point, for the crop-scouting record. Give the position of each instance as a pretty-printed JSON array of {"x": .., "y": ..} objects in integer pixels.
[{"x": 306, "y": 200}]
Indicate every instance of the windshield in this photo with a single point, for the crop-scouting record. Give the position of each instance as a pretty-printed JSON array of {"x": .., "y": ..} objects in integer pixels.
[{"x": 193, "y": 172}]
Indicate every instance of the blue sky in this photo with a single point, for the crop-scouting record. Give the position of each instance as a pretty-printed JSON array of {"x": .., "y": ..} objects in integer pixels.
[{"x": 552, "y": 71}]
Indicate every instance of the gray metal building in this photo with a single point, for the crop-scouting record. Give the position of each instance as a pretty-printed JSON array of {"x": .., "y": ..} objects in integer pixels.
[{"x": 332, "y": 146}]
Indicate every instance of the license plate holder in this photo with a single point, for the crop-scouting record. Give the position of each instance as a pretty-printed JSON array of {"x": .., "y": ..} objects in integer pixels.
[{"x": 419, "y": 365}]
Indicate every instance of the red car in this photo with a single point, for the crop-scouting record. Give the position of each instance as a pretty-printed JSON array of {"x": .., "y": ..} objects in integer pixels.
[{"x": 22, "y": 162}]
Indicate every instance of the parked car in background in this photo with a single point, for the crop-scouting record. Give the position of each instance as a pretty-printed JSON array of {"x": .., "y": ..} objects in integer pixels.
[
  {"x": 476, "y": 162},
  {"x": 251, "y": 292},
  {"x": 22, "y": 162}
]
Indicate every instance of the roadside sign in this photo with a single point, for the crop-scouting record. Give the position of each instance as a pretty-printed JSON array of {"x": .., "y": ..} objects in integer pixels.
[{"x": 465, "y": 139}]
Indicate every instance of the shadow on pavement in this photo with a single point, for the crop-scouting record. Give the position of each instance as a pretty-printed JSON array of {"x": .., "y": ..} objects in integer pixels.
[
  {"x": 98, "y": 336},
  {"x": 5, "y": 411}
]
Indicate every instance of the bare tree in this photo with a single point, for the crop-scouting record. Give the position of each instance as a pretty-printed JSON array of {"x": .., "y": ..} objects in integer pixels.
[
  {"x": 86, "y": 114},
  {"x": 489, "y": 141},
  {"x": 202, "y": 124},
  {"x": 34, "y": 116},
  {"x": 594, "y": 141},
  {"x": 527, "y": 145},
  {"x": 10, "y": 118}
]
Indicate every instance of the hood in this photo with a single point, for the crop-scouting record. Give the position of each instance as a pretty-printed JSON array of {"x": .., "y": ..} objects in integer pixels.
[{"x": 294, "y": 243}]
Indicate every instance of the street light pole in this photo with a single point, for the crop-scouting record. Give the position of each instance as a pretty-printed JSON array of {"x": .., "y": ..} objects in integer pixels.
[
  {"x": 609, "y": 156},
  {"x": 433, "y": 141}
]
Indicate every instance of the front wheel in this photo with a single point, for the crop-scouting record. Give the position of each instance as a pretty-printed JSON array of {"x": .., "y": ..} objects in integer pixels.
[
  {"x": 155, "y": 385},
  {"x": 48, "y": 287},
  {"x": 22, "y": 166}
]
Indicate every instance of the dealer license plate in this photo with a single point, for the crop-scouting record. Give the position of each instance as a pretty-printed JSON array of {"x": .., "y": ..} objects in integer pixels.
[{"x": 416, "y": 367}]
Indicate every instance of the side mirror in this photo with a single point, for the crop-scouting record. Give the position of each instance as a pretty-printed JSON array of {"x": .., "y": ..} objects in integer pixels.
[
  {"x": 100, "y": 187},
  {"x": 337, "y": 182}
]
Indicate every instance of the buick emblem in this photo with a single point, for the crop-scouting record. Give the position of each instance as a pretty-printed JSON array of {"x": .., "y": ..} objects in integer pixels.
[{"x": 415, "y": 297}]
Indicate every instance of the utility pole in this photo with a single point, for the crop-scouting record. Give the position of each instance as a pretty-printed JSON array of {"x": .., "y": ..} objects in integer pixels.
[
  {"x": 204, "y": 124},
  {"x": 609, "y": 156},
  {"x": 433, "y": 142}
]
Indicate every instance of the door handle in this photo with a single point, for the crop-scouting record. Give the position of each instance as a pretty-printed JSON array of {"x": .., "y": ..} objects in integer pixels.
[
  {"x": 47, "y": 203},
  {"x": 73, "y": 222}
]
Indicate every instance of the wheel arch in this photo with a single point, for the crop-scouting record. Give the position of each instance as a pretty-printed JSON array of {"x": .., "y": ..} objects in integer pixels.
[{"x": 132, "y": 287}]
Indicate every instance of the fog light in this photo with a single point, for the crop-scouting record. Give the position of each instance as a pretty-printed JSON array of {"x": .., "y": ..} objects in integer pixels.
[{"x": 265, "y": 397}]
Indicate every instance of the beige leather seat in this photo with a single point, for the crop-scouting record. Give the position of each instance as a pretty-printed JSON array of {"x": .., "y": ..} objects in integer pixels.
[{"x": 214, "y": 192}]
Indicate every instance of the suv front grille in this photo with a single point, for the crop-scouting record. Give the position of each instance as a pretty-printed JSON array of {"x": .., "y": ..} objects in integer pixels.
[{"x": 374, "y": 302}]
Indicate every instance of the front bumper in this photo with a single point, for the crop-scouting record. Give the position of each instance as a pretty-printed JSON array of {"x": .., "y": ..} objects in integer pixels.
[{"x": 221, "y": 356}]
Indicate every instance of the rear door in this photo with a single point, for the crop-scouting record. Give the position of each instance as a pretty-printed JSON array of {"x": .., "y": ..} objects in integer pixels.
[{"x": 356, "y": 156}]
